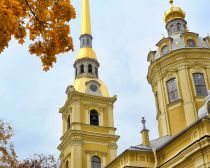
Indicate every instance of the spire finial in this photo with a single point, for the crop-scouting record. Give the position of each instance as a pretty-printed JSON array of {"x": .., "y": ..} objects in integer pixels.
[
  {"x": 171, "y": 2},
  {"x": 86, "y": 23},
  {"x": 143, "y": 121}
]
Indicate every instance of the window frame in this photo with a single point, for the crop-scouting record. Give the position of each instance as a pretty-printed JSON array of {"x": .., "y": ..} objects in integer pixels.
[
  {"x": 198, "y": 86},
  {"x": 82, "y": 68},
  {"x": 188, "y": 43},
  {"x": 163, "y": 48},
  {"x": 68, "y": 122},
  {"x": 90, "y": 68},
  {"x": 96, "y": 113},
  {"x": 174, "y": 92},
  {"x": 95, "y": 163}
]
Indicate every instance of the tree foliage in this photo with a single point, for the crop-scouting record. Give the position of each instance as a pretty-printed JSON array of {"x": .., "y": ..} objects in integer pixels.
[
  {"x": 40, "y": 161},
  {"x": 8, "y": 156},
  {"x": 45, "y": 21}
]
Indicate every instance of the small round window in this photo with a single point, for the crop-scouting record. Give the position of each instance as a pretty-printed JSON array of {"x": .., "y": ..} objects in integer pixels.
[
  {"x": 191, "y": 43},
  {"x": 165, "y": 50},
  {"x": 93, "y": 87}
]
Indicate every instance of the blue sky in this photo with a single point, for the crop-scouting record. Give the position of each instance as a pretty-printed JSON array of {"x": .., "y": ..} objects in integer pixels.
[{"x": 123, "y": 32}]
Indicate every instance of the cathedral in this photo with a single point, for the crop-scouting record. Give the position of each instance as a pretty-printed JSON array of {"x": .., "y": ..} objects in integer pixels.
[{"x": 179, "y": 74}]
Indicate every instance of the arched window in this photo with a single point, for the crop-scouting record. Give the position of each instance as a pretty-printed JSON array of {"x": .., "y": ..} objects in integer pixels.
[
  {"x": 90, "y": 70},
  {"x": 82, "y": 68},
  {"x": 95, "y": 162},
  {"x": 191, "y": 43},
  {"x": 200, "y": 85},
  {"x": 172, "y": 90},
  {"x": 178, "y": 27},
  {"x": 75, "y": 71},
  {"x": 172, "y": 29},
  {"x": 69, "y": 122},
  {"x": 165, "y": 50},
  {"x": 94, "y": 119},
  {"x": 67, "y": 164}
]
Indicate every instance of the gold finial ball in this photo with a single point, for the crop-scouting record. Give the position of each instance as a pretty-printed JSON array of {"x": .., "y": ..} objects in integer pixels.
[{"x": 171, "y": 2}]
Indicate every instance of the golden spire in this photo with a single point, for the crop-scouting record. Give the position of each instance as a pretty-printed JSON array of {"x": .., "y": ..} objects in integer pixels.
[
  {"x": 86, "y": 24},
  {"x": 86, "y": 50}
]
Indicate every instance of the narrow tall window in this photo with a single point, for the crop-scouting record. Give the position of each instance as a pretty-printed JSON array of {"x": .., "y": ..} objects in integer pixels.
[
  {"x": 172, "y": 29},
  {"x": 67, "y": 164},
  {"x": 178, "y": 27},
  {"x": 95, "y": 162},
  {"x": 172, "y": 90},
  {"x": 82, "y": 68},
  {"x": 90, "y": 70},
  {"x": 94, "y": 119},
  {"x": 69, "y": 122},
  {"x": 200, "y": 85}
]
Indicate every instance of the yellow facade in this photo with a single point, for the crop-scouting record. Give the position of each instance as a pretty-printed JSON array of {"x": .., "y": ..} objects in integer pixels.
[
  {"x": 82, "y": 141},
  {"x": 179, "y": 74},
  {"x": 182, "y": 101},
  {"x": 88, "y": 125}
]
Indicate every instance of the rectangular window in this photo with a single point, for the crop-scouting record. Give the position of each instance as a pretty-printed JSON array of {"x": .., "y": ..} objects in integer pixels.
[
  {"x": 200, "y": 85},
  {"x": 172, "y": 90}
]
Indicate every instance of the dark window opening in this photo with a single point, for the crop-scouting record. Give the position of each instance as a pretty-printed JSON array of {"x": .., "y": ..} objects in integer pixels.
[
  {"x": 90, "y": 70},
  {"x": 95, "y": 162},
  {"x": 94, "y": 118},
  {"x": 82, "y": 68},
  {"x": 178, "y": 27},
  {"x": 69, "y": 122},
  {"x": 172, "y": 90},
  {"x": 200, "y": 85},
  {"x": 67, "y": 164}
]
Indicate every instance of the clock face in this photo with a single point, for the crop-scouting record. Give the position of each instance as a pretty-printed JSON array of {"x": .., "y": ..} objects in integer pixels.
[{"x": 93, "y": 87}]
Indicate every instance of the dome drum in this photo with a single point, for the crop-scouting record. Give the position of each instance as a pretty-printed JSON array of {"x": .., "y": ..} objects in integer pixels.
[
  {"x": 86, "y": 68},
  {"x": 176, "y": 26}
]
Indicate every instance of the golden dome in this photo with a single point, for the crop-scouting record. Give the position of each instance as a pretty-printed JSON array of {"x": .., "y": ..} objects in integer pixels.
[
  {"x": 81, "y": 85},
  {"x": 174, "y": 13}
]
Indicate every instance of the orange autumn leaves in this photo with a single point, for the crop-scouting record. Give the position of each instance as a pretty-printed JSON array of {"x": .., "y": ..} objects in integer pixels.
[
  {"x": 45, "y": 21},
  {"x": 8, "y": 157}
]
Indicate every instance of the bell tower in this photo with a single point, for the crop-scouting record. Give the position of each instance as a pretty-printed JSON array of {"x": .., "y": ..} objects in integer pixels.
[{"x": 88, "y": 139}]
